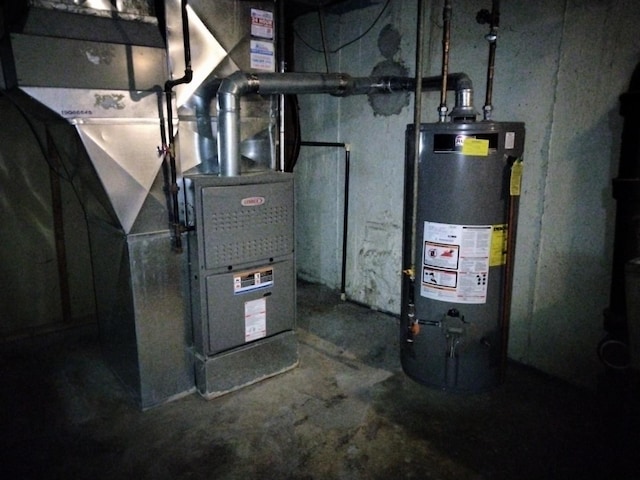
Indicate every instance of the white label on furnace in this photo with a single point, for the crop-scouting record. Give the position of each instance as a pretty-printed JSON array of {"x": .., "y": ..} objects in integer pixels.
[
  {"x": 261, "y": 23},
  {"x": 455, "y": 262},
  {"x": 509, "y": 140},
  {"x": 255, "y": 319},
  {"x": 249, "y": 281},
  {"x": 263, "y": 55}
]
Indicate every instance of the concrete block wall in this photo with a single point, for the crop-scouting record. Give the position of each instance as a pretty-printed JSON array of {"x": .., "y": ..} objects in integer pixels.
[{"x": 560, "y": 68}]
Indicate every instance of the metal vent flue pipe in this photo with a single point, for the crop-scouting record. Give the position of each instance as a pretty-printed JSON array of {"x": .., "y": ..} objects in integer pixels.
[{"x": 240, "y": 83}]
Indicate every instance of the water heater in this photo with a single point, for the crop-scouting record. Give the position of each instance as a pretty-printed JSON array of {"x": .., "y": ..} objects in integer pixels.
[{"x": 455, "y": 296}]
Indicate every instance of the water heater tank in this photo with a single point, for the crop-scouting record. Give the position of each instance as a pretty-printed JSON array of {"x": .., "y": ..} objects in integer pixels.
[{"x": 453, "y": 328}]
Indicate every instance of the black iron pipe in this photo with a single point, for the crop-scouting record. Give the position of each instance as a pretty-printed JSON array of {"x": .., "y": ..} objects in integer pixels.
[
  {"x": 493, "y": 19},
  {"x": 446, "y": 41},
  {"x": 322, "y": 144},
  {"x": 188, "y": 73},
  {"x": 345, "y": 222},
  {"x": 345, "y": 208},
  {"x": 169, "y": 150}
]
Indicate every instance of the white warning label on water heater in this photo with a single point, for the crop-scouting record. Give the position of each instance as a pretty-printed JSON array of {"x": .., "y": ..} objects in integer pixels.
[
  {"x": 255, "y": 319},
  {"x": 455, "y": 262}
]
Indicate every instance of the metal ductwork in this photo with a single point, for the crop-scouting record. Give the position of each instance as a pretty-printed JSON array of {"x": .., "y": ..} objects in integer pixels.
[
  {"x": 102, "y": 104},
  {"x": 110, "y": 63},
  {"x": 99, "y": 103},
  {"x": 234, "y": 87}
]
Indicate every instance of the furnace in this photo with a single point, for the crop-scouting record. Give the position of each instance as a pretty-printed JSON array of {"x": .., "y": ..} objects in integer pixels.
[{"x": 241, "y": 278}]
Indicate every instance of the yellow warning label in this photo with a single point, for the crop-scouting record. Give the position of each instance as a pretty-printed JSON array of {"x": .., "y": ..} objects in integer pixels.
[
  {"x": 516, "y": 178},
  {"x": 498, "y": 252},
  {"x": 475, "y": 146}
]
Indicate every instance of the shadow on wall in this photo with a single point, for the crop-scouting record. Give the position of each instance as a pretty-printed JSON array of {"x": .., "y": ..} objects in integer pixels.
[
  {"x": 614, "y": 124},
  {"x": 30, "y": 298},
  {"x": 560, "y": 342}
]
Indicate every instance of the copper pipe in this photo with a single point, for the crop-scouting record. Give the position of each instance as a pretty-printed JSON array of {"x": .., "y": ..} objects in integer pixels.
[
  {"x": 416, "y": 121},
  {"x": 505, "y": 317},
  {"x": 446, "y": 41},
  {"x": 493, "y": 18}
]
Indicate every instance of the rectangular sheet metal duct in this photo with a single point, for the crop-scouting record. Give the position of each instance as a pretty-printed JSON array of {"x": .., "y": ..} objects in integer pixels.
[{"x": 105, "y": 110}]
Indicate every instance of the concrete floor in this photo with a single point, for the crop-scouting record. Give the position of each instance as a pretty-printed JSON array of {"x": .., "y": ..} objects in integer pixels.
[{"x": 347, "y": 412}]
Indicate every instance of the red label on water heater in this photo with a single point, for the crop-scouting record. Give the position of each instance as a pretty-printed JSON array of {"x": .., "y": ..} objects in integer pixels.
[{"x": 252, "y": 201}]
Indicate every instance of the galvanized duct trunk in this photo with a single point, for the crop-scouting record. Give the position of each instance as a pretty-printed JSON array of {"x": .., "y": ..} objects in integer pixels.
[
  {"x": 104, "y": 109},
  {"x": 103, "y": 99}
]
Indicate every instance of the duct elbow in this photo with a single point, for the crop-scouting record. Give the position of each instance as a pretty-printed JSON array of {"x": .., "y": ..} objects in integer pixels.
[
  {"x": 229, "y": 92},
  {"x": 461, "y": 84},
  {"x": 235, "y": 84},
  {"x": 463, "y": 111},
  {"x": 231, "y": 89},
  {"x": 460, "y": 81}
]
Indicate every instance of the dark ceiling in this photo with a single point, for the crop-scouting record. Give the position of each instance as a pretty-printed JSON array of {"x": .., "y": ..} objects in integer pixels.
[{"x": 295, "y": 8}]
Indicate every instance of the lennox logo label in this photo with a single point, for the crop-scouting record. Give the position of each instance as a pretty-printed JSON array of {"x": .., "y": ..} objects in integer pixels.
[{"x": 252, "y": 201}]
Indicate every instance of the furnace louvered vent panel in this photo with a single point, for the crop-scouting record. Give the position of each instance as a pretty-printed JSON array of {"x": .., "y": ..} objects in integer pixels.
[
  {"x": 233, "y": 221},
  {"x": 246, "y": 223},
  {"x": 231, "y": 254}
]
